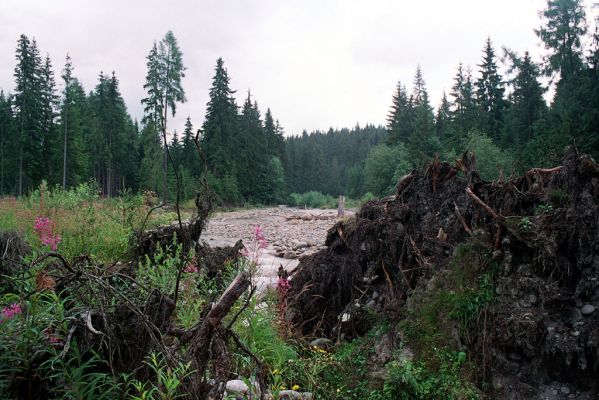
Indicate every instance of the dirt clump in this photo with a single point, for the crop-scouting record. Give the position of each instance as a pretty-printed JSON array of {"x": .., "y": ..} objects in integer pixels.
[{"x": 513, "y": 264}]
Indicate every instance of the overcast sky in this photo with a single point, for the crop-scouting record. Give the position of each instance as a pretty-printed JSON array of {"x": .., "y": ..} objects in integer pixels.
[{"x": 315, "y": 63}]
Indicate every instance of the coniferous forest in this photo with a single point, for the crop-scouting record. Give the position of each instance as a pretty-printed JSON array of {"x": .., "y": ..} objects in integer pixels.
[
  {"x": 514, "y": 119},
  {"x": 141, "y": 260}
]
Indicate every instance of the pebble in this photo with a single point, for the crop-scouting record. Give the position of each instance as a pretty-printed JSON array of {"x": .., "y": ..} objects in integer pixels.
[
  {"x": 321, "y": 343},
  {"x": 237, "y": 386},
  {"x": 564, "y": 390},
  {"x": 293, "y": 395},
  {"x": 587, "y": 309}
]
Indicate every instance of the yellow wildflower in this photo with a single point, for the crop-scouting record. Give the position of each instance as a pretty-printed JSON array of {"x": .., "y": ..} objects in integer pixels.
[{"x": 295, "y": 387}]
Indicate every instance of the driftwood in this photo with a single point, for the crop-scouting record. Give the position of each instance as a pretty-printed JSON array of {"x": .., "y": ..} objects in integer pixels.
[{"x": 317, "y": 217}]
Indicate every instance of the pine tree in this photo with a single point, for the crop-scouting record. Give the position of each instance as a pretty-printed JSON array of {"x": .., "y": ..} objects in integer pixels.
[
  {"x": 252, "y": 157},
  {"x": 151, "y": 156},
  {"x": 28, "y": 106},
  {"x": 422, "y": 143},
  {"x": 163, "y": 85},
  {"x": 274, "y": 136},
  {"x": 221, "y": 128},
  {"x": 464, "y": 107},
  {"x": 189, "y": 156},
  {"x": 443, "y": 122},
  {"x": 526, "y": 103},
  {"x": 67, "y": 76},
  {"x": 565, "y": 25},
  {"x": 489, "y": 95},
  {"x": 399, "y": 119},
  {"x": 7, "y": 143},
  {"x": 49, "y": 100}
]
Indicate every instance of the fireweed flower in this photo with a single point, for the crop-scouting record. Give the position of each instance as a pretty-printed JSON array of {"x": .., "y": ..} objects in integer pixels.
[
  {"x": 252, "y": 252},
  {"x": 190, "y": 268},
  {"x": 45, "y": 230},
  {"x": 10, "y": 311}
]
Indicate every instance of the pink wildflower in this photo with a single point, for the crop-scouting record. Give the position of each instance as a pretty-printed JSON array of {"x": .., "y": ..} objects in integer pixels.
[
  {"x": 45, "y": 230},
  {"x": 190, "y": 268},
  {"x": 52, "y": 337},
  {"x": 259, "y": 243},
  {"x": 10, "y": 311}
]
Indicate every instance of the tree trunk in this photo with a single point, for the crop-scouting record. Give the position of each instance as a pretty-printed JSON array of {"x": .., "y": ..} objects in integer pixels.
[
  {"x": 64, "y": 153},
  {"x": 341, "y": 207}
]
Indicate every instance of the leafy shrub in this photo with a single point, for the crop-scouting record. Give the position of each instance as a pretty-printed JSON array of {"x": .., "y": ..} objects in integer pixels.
[
  {"x": 489, "y": 157},
  {"x": 313, "y": 199},
  {"x": 412, "y": 380},
  {"x": 383, "y": 166}
]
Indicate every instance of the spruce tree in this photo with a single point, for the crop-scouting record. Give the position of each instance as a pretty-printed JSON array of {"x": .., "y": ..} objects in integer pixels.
[
  {"x": 49, "y": 100},
  {"x": 526, "y": 103},
  {"x": 220, "y": 132},
  {"x": 252, "y": 156},
  {"x": 399, "y": 119},
  {"x": 422, "y": 143},
  {"x": 562, "y": 33},
  {"x": 164, "y": 88},
  {"x": 443, "y": 122},
  {"x": 489, "y": 95},
  {"x": 28, "y": 108},
  {"x": 464, "y": 107}
]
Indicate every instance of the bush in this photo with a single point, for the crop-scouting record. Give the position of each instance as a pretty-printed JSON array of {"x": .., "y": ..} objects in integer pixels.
[
  {"x": 313, "y": 199},
  {"x": 383, "y": 165},
  {"x": 489, "y": 157}
]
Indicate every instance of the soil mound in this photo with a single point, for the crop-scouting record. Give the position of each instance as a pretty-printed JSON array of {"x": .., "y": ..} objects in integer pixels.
[{"x": 536, "y": 236}]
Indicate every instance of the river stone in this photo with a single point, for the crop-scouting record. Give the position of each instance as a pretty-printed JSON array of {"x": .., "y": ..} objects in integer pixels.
[
  {"x": 293, "y": 395},
  {"x": 300, "y": 245},
  {"x": 237, "y": 386},
  {"x": 321, "y": 343},
  {"x": 564, "y": 390},
  {"x": 587, "y": 309}
]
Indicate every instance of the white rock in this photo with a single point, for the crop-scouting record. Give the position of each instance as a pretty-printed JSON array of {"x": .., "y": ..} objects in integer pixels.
[
  {"x": 237, "y": 386},
  {"x": 587, "y": 309}
]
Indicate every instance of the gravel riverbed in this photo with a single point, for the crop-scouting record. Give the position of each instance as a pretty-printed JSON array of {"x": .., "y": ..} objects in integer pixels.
[{"x": 290, "y": 232}]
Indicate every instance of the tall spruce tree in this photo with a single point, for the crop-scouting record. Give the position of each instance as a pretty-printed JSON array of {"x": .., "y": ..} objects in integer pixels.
[
  {"x": 7, "y": 143},
  {"x": 443, "y": 122},
  {"x": 29, "y": 111},
  {"x": 490, "y": 94},
  {"x": 251, "y": 156},
  {"x": 400, "y": 118},
  {"x": 423, "y": 142},
  {"x": 67, "y": 77},
  {"x": 220, "y": 133},
  {"x": 49, "y": 105},
  {"x": 526, "y": 103},
  {"x": 164, "y": 88},
  {"x": 562, "y": 33},
  {"x": 464, "y": 107}
]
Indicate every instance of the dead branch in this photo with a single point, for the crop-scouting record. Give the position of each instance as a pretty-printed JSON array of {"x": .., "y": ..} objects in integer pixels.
[
  {"x": 201, "y": 335},
  {"x": 461, "y": 218},
  {"x": 545, "y": 170},
  {"x": 481, "y": 203}
]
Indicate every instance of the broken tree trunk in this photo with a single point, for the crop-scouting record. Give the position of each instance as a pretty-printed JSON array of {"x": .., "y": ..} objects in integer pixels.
[
  {"x": 202, "y": 334},
  {"x": 341, "y": 207}
]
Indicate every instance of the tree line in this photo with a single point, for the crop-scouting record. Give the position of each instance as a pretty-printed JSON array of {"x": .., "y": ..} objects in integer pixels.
[
  {"x": 504, "y": 119},
  {"x": 71, "y": 137}
]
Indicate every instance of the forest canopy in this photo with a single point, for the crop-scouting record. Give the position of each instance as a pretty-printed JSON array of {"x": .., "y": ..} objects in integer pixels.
[{"x": 499, "y": 109}]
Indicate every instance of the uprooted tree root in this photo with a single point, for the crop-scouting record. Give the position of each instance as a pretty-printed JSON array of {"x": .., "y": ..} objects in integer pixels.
[{"x": 541, "y": 231}]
